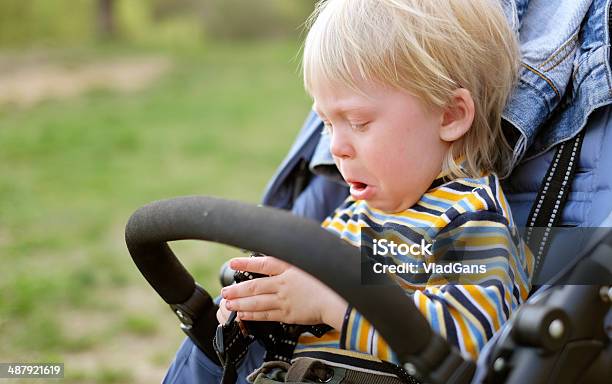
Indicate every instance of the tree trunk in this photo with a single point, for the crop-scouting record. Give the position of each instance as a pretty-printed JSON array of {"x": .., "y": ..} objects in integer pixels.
[{"x": 106, "y": 21}]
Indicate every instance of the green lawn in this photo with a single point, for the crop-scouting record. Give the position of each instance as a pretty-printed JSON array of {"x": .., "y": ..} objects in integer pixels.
[{"x": 73, "y": 170}]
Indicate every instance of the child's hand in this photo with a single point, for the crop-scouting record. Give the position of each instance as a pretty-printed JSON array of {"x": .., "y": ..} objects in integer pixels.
[
  {"x": 289, "y": 295},
  {"x": 222, "y": 313}
]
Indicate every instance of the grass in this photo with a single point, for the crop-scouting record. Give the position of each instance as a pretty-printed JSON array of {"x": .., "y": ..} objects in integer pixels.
[
  {"x": 72, "y": 171},
  {"x": 140, "y": 325}
]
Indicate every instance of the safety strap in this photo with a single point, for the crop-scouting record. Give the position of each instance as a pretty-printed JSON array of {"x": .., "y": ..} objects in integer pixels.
[
  {"x": 231, "y": 344},
  {"x": 233, "y": 338},
  {"x": 547, "y": 209}
]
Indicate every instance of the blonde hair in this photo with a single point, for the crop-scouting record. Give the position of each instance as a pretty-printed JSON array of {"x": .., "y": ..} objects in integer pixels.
[{"x": 428, "y": 48}]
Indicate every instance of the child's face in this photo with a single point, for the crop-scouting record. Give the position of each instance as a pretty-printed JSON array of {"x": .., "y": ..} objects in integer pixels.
[{"x": 386, "y": 145}]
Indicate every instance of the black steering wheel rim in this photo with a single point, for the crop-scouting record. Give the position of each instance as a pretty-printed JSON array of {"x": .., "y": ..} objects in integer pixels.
[{"x": 271, "y": 231}]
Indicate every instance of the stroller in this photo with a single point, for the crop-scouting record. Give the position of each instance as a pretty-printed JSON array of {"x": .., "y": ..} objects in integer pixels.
[
  {"x": 560, "y": 335},
  {"x": 557, "y": 336}
]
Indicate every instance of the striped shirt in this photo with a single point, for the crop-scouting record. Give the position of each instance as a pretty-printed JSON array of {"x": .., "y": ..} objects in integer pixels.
[{"x": 468, "y": 214}]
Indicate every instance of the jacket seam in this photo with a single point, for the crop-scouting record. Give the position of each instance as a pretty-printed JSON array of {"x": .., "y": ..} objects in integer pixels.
[
  {"x": 563, "y": 51},
  {"x": 538, "y": 73}
]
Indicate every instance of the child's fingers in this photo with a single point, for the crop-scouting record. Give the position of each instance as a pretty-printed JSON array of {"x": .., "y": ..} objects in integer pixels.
[
  {"x": 222, "y": 313},
  {"x": 266, "y": 265},
  {"x": 274, "y": 315},
  {"x": 253, "y": 304},
  {"x": 251, "y": 288}
]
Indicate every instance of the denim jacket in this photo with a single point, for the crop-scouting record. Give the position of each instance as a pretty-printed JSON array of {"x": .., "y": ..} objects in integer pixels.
[{"x": 565, "y": 75}]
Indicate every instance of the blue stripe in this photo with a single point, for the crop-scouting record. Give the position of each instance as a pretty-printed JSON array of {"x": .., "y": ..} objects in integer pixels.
[
  {"x": 356, "y": 322},
  {"x": 452, "y": 214},
  {"x": 435, "y": 322},
  {"x": 421, "y": 209},
  {"x": 451, "y": 330},
  {"x": 406, "y": 232},
  {"x": 438, "y": 203},
  {"x": 458, "y": 186},
  {"x": 493, "y": 185},
  {"x": 491, "y": 205},
  {"x": 490, "y": 293},
  {"x": 460, "y": 220},
  {"x": 517, "y": 296},
  {"x": 465, "y": 205},
  {"x": 475, "y": 332},
  {"x": 467, "y": 303}
]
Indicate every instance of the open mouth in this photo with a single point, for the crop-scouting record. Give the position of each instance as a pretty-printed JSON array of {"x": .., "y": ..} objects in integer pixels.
[{"x": 359, "y": 190}]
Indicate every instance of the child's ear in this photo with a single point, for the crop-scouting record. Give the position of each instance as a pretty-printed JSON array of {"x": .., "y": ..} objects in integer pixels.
[{"x": 457, "y": 116}]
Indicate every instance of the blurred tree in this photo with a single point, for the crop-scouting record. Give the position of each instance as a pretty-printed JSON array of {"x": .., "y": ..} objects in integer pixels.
[
  {"x": 244, "y": 19},
  {"x": 163, "y": 9},
  {"x": 43, "y": 21},
  {"x": 69, "y": 22},
  {"x": 106, "y": 19}
]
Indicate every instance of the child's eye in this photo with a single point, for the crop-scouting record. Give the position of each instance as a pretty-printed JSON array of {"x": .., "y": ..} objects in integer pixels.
[{"x": 359, "y": 127}]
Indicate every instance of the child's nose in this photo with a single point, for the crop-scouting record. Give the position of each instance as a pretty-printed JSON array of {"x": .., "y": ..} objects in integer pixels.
[{"x": 341, "y": 146}]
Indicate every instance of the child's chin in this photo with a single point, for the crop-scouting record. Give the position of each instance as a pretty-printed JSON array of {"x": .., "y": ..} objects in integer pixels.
[{"x": 388, "y": 207}]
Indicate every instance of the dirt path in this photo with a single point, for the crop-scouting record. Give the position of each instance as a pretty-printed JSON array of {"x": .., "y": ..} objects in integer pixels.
[{"x": 29, "y": 84}]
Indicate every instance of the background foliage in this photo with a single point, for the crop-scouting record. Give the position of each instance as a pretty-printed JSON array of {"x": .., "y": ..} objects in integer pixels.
[
  {"x": 61, "y": 22},
  {"x": 86, "y": 138}
]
